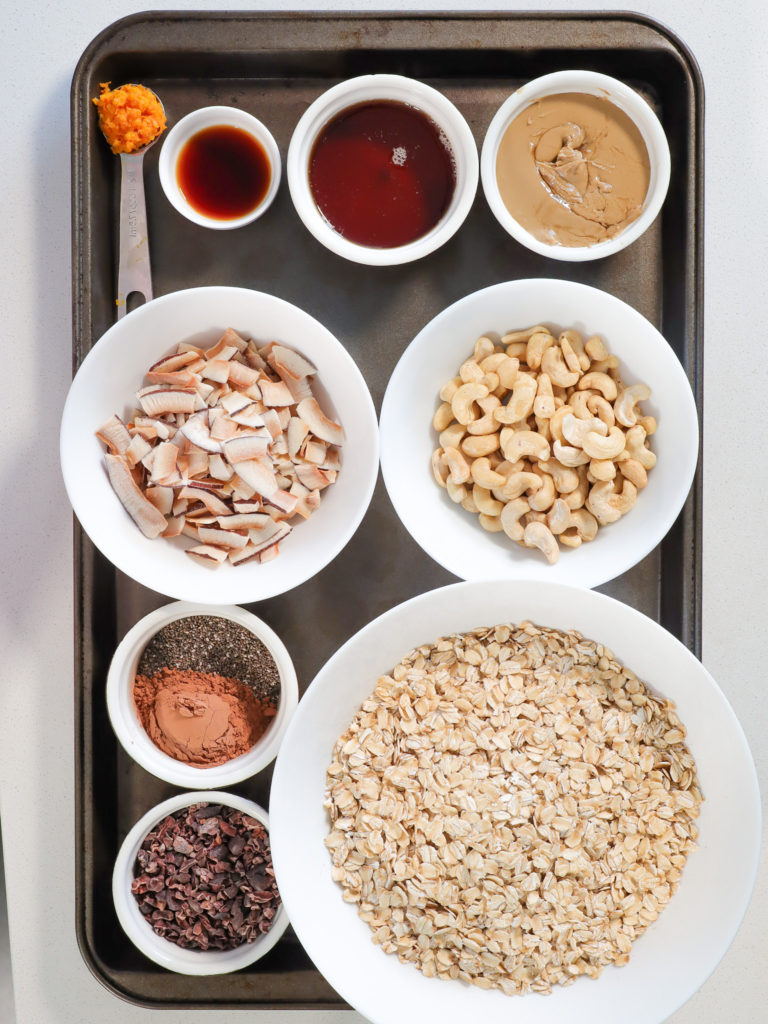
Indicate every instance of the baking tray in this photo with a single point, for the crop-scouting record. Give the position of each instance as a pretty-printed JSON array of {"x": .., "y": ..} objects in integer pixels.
[{"x": 274, "y": 65}]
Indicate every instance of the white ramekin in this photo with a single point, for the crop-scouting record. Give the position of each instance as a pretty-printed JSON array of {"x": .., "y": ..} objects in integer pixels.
[
  {"x": 404, "y": 90},
  {"x": 182, "y": 132},
  {"x": 163, "y": 952},
  {"x": 130, "y": 732},
  {"x": 593, "y": 84}
]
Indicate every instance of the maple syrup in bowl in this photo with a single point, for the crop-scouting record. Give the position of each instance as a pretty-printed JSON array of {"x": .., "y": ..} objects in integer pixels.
[
  {"x": 220, "y": 167},
  {"x": 382, "y": 169}
]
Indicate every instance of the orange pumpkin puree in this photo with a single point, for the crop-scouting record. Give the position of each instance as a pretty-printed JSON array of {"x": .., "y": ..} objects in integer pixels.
[{"x": 130, "y": 116}]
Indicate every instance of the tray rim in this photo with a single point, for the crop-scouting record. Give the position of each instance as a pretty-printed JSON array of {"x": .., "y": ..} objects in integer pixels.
[{"x": 80, "y": 291}]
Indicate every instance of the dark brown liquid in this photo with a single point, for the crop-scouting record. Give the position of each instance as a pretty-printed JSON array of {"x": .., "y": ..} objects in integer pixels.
[
  {"x": 382, "y": 173},
  {"x": 224, "y": 172}
]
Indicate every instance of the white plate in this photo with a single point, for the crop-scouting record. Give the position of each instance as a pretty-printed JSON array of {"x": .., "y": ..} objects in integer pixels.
[
  {"x": 452, "y": 536},
  {"x": 106, "y": 384},
  {"x": 677, "y": 953}
]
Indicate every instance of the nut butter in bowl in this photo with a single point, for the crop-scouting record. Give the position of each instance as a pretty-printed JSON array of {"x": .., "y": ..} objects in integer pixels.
[{"x": 575, "y": 165}]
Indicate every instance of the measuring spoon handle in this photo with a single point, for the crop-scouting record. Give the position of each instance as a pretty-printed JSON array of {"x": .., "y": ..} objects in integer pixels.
[{"x": 134, "y": 273}]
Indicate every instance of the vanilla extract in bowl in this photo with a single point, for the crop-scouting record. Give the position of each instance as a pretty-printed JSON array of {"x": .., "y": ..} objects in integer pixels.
[
  {"x": 224, "y": 172},
  {"x": 382, "y": 173}
]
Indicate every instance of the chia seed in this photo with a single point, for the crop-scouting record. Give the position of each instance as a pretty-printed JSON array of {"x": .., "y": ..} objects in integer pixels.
[{"x": 208, "y": 643}]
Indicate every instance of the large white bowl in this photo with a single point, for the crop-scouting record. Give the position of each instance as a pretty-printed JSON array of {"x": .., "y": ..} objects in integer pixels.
[
  {"x": 106, "y": 384},
  {"x": 677, "y": 953},
  {"x": 452, "y": 536},
  {"x": 141, "y": 933}
]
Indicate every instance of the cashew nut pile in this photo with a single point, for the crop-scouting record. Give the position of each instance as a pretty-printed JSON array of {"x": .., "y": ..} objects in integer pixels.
[{"x": 541, "y": 438}]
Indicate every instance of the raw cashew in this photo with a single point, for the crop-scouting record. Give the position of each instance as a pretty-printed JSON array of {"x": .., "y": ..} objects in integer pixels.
[
  {"x": 606, "y": 504},
  {"x": 458, "y": 467},
  {"x": 439, "y": 468},
  {"x": 572, "y": 346},
  {"x": 596, "y": 349},
  {"x": 566, "y": 480},
  {"x": 597, "y": 381},
  {"x": 537, "y": 535},
  {"x": 518, "y": 444},
  {"x": 521, "y": 401},
  {"x": 552, "y": 363},
  {"x": 443, "y": 417},
  {"x": 477, "y": 445},
  {"x": 542, "y": 425},
  {"x": 649, "y": 424},
  {"x": 636, "y": 447},
  {"x": 537, "y": 345},
  {"x": 510, "y": 517},
  {"x": 485, "y": 503},
  {"x": 483, "y": 474},
  {"x": 456, "y": 492},
  {"x": 544, "y": 402},
  {"x": 486, "y": 424},
  {"x": 470, "y": 371},
  {"x": 515, "y": 336},
  {"x": 556, "y": 422},
  {"x": 601, "y": 408},
  {"x": 602, "y": 469},
  {"x": 583, "y": 527},
  {"x": 483, "y": 347},
  {"x": 609, "y": 366},
  {"x": 451, "y": 436},
  {"x": 579, "y": 402},
  {"x": 507, "y": 372},
  {"x": 599, "y": 447},
  {"x": 491, "y": 381},
  {"x": 490, "y": 523},
  {"x": 567, "y": 456},
  {"x": 468, "y": 504},
  {"x": 624, "y": 406},
  {"x": 516, "y": 484},
  {"x": 576, "y": 430},
  {"x": 575, "y": 499},
  {"x": 635, "y": 472},
  {"x": 490, "y": 363},
  {"x": 464, "y": 400},
  {"x": 545, "y": 496},
  {"x": 517, "y": 349},
  {"x": 559, "y": 517},
  {"x": 449, "y": 389}
]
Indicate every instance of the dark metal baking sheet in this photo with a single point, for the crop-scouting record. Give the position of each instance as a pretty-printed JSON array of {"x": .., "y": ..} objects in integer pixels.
[{"x": 274, "y": 66}]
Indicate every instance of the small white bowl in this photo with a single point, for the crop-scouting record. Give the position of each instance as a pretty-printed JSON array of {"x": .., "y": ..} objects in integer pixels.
[
  {"x": 454, "y": 537},
  {"x": 163, "y": 952},
  {"x": 414, "y": 94},
  {"x": 593, "y": 84},
  {"x": 182, "y": 132},
  {"x": 106, "y": 383},
  {"x": 677, "y": 953},
  {"x": 134, "y": 739}
]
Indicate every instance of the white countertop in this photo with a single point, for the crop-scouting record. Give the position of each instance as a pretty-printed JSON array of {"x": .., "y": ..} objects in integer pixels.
[{"x": 41, "y": 43}]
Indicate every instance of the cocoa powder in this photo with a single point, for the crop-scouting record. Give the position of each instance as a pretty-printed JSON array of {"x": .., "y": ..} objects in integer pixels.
[{"x": 200, "y": 718}]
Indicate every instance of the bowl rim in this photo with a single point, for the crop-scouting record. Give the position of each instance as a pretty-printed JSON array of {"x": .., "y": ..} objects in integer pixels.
[
  {"x": 430, "y": 541},
  {"x": 621, "y": 95},
  {"x": 161, "y": 951},
  {"x": 452, "y": 600},
  {"x": 187, "y": 127},
  {"x": 417, "y": 94},
  {"x": 244, "y": 592},
  {"x": 127, "y": 725}
]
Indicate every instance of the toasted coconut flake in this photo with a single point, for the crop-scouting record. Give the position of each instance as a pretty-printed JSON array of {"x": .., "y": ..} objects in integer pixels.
[
  {"x": 268, "y": 553},
  {"x": 174, "y": 527},
  {"x": 244, "y": 521},
  {"x": 137, "y": 450},
  {"x": 208, "y": 555},
  {"x": 183, "y": 378},
  {"x": 222, "y": 538},
  {"x": 312, "y": 477},
  {"x": 246, "y": 506},
  {"x": 327, "y": 430},
  {"x": 245, "y": 446},
  {"x": 168, "y": 400},
  {"x": 222, "y": 428},
  {"x": 169, "y": 364},
  {"x": 231, "y": 337},
  {"x": 283, "y": 501},
  {"x": 197, "y": 430},
  {"x": 272, "y": 423},
  {"x": 223, "y": 349},
  {"x": 258, "y": 476},
  {"x": 297, "y": 431},
  {"x": 163, "y": 462},
  {"x": 315, "y": 452},
  {"x": 215, "y": 505},
  {"x": 242, "y": 376},
  {"x": 115, "y": 436},
  {"x": 234, "y": 402},
  {"x": 219, "y": 469},
  {"x": 197, "y": 464},
  {"x": 288, "y": 363},
  {"x": 247, "y": 554},
  {"x": 216, "y": 370},
  {"x": 253, "y": 357},
  {"x": 274, "y": 393},
  {"x": 300, "y": 389},
  {"x": 250, "y": 416},
  {"x": 161, "y": 498},
  {"x": 143, "y": 512}
]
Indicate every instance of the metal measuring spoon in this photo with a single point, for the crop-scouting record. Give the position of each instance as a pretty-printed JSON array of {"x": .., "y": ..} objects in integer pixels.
[{"x": 134, "y": 273}]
